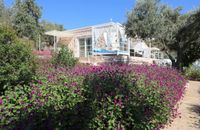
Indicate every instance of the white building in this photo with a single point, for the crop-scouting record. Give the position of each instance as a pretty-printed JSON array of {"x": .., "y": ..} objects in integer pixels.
[
  {"x": 103, "y": 39},
  {"x": 108, "y": 39}
]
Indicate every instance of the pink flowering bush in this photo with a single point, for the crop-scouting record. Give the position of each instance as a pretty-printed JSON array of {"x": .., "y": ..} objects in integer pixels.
[
  {"x": 168, "y": 79},
  {"x": 134, "y": 97},
  {"x": 41, "y": 105},
  {"x": 113, "y": 97},
  {"x": 121, "y": 102}
]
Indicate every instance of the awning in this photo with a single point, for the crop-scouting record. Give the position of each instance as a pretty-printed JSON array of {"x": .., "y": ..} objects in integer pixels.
[
  {"x": 155, "y": 48},
  {"x": 57, "y": 33}
]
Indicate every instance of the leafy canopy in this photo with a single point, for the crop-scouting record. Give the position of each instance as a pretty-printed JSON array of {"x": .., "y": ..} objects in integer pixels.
[
  {"x": 188, "y": 39},
  {"x": 171, "y": 30},
  {"x": 5, "y": 14},
  {"x": 26, "y": 18},
  {"x": 143, "y": 19},
  {"x": 48, "y": 26}
]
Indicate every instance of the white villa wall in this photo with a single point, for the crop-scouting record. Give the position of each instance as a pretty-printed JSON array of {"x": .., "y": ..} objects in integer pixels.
[{"x": 108, "y": 36}]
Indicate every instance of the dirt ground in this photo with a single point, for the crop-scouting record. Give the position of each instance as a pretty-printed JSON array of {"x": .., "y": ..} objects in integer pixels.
[{"x": 189, "y": 109}]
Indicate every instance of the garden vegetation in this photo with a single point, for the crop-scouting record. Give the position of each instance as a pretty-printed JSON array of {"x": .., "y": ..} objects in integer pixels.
[
  {"x": 64, "y": 57},
  {"x": 95, "y": 97},
  {"x": 60, "y": 94},
  {"x": 17, "y": 65},
  {"x": 192, "y": 73}
]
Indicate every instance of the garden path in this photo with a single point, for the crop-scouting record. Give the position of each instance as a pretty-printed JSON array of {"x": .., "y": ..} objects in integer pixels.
[{"x": 189, "y": 109}]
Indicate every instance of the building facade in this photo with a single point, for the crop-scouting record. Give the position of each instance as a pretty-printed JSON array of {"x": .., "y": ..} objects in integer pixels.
[
  {"x": 108, "y": 39},
  {"x": 102, "y": 39}
]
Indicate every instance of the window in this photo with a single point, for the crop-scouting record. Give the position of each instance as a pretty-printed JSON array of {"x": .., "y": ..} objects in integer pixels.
[
  {"x": 82, "y": 47},
  {"x": 89, "y": 46},
  {"x": 85, "y": 47}
]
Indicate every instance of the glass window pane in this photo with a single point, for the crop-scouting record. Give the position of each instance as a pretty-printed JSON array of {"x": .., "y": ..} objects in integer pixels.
[
  {"x": 89, "y": 46},
  {"x": 82, "y": 47}
]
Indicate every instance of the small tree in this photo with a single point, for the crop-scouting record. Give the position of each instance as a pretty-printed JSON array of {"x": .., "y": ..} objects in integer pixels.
[{"x": 64, "y": 57}]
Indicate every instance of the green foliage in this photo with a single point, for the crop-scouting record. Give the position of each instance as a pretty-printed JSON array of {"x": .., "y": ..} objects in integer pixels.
[
  {"x": 143, "y": 20},
  {"x": 64, "y": 57},
  {"x": 5, "y": 14},
  {"x": 16, "y": 61},
  {"x": 171, "y": 30},
  {"x": 170, "y": 22},
  {"x": 192, "y": 73},
  {"x": 76, "y": 103},
  {"x": 188, "y": 40},
  {"x": 7, "y": 35},
  {"x": 121, "y": 103},
  {"x": 100, "y": 97},
  {"x": 151, "y": 19},
  {"x": 48, "y": 26},
  {"x": 2, "y": 7},
  {"x": 26, "y": 15},
  {"x": 31, "y": 107}
]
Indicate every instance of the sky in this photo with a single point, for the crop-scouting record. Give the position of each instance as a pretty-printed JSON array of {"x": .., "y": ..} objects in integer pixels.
[{"x": 80, "y": 13}]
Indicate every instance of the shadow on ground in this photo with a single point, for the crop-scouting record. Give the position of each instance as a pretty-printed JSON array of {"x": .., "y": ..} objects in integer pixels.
[{"x": 196, "y": 109}]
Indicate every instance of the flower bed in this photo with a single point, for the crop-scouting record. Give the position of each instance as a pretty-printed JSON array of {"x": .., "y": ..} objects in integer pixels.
[
  {"x": 95, "y": 97},
  {"x": 43, "y": 53}
]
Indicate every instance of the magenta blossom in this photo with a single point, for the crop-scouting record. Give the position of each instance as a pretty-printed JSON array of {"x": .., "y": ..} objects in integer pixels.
[{"x": 1, "y": 101}]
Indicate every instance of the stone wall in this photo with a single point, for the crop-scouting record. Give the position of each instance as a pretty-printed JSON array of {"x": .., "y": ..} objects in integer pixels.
[{"x": 116, "y": 59}]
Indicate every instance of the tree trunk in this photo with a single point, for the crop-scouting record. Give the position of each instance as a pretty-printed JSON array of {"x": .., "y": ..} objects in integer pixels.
[
  {"x": 179, "y": 64},
  {"x": 172, "y": 60}
]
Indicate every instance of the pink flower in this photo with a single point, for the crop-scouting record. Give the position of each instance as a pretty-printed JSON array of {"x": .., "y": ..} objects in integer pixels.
[
  {"x": 32, "y": 92},
  {"x": 1, "y": 101},
  {"x": 76, "y": 91},
  {"x": 119, "y": 128}
]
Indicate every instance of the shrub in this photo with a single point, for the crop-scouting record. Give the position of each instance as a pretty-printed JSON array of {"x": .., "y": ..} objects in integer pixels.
[
  {"x": 169, "y": 79},
  {"x": 95, "y": 97},
  {"x": 192, "y": 73},
  {"x": 64, "y": 57},
  {"x": 16, "y": 61},
  {"x": 122, "y": 102},
  {"x": 41, "y": 105}
]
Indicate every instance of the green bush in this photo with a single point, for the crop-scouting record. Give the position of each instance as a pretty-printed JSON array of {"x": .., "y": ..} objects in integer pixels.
[
  {"x": 193, "y": 73},
  {"x": 122, "y": 102},
  {"x": 106, "y": 97},
  {"x": 42, "y": 105},
  {"x": 64, "y": 57},
  {"x": 16, "y": 61},
  {"x": 99, "y": 101}
]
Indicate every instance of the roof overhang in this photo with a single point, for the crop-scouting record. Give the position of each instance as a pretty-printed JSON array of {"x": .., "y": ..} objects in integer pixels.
[
  {"x": 56, "y": 33},
  {"x": 155, "y": 49}
]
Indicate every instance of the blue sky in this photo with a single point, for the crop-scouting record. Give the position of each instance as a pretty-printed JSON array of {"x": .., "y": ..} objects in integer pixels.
[{"x": 79, "y": 13}]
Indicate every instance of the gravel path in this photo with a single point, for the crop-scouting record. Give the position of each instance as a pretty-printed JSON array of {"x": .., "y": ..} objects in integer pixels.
[{"x": 189, "y": 109}]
